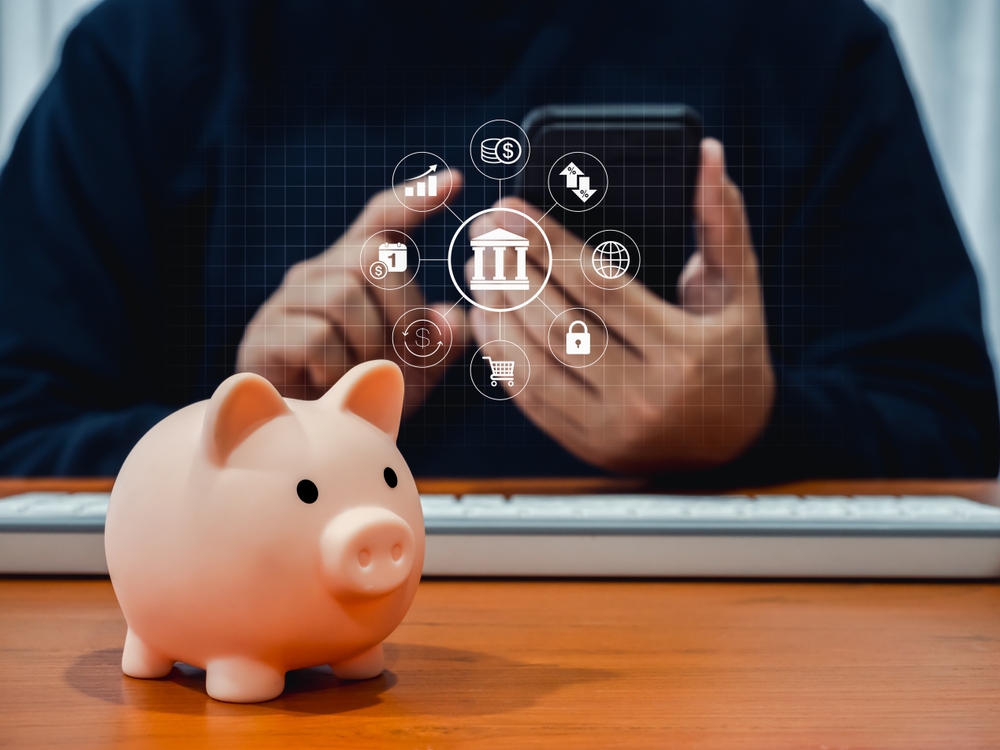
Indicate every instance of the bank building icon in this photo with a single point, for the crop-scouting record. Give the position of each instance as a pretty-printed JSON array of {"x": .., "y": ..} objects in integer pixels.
[{"x": 498, "y": 240}]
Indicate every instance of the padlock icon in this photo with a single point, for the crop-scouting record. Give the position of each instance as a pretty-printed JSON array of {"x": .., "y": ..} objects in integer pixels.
[{"x": 578, "y": 342}]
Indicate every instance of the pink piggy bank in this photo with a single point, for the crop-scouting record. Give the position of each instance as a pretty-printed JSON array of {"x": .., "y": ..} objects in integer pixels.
[{"x": 251, "y": 534}]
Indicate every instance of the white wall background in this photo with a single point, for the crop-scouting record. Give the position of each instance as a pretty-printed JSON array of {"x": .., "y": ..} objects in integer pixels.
[
  {"x": 31, "y": 33},
  {"x": 951, "y": 49}
]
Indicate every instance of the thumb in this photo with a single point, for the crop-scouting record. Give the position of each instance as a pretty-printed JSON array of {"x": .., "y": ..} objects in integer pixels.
[{"x": 719, "y": 272}]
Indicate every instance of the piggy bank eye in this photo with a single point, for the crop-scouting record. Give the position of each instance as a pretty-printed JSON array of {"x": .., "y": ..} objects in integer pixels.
[
  {"x": 390, "y": 477},
  {"x": 307, "y": 491}
]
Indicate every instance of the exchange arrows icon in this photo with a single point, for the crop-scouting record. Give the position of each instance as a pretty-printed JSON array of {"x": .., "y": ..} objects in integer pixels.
[
  {"x": 571, "y": 173},
  {"x": 577, "y": 182}
]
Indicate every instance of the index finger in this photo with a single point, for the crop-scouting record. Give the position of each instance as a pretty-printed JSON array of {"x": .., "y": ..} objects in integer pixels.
[
  {"x": 384, "y": 210},
  {"x": 631, "y": 306}
]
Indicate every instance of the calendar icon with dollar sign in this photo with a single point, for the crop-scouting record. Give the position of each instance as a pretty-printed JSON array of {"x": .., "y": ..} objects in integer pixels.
[{"x": 393, "y": 256}]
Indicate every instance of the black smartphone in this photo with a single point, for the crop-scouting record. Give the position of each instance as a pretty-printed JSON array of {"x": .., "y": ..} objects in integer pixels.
[{"x": 628, "y": 168}]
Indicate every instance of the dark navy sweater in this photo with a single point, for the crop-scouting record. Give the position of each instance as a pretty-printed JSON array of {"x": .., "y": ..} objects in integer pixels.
[{"x": 187, "y": 152}]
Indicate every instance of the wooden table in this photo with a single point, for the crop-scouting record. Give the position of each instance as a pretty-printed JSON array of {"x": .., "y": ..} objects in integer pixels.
[{"x": 553, "y": 663}]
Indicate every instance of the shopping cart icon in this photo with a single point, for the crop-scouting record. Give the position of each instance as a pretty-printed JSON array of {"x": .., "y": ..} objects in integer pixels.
[{"x": 501, "y": 370}]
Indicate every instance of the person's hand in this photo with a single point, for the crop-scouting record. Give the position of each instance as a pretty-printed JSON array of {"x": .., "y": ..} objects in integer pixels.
[
  {"x": 686, "y": 386},
  {"x": 326, "y": 317}
]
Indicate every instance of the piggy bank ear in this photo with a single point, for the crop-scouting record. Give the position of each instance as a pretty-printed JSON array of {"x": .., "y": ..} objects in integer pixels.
[
  {"x": 373, "y": 391},
  {"x": 240, "y": 405}
]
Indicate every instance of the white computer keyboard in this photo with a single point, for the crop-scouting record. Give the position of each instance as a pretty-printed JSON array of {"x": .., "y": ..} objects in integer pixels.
[{"x": 611, "y": 535}]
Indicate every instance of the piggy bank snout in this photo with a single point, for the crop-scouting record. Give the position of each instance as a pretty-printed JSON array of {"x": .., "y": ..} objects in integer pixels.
[{"x": 367, "y": 552}]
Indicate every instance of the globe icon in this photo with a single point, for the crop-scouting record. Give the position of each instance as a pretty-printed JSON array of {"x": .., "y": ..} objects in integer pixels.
[{"x": 610, "y": 259}]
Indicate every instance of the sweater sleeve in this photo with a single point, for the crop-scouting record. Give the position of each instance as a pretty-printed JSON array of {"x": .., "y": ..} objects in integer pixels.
[{"x": 80, "y": 291}]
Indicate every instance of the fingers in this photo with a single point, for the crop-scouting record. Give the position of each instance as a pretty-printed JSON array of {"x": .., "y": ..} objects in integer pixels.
[
  {"x": 632, "y": 313},
  {"x": 537, "y": 318},
  {"x": 358, "y": 248},
  {"x": 358, "y": 328},
  {"x": 560, "y": 396},
  {"x": 551, "y": 397},
  {"x": 457, "y": 319},
  {"x": 724, "y": 270},
  {"x": 299, "y": 353},
  {"x": 326, "y": 317},
  {"x": 718, "y": 210},
  {"x": 361, "y": 314},
  {"x": 339, "y": 297},
  {"x": 420, "y": 380},
  {"x": 384, "y": 211},
  {"x": 368, "y": 317}
]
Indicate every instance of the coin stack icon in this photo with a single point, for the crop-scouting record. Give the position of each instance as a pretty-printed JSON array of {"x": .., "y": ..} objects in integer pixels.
[{"x": 500, "y": 150}]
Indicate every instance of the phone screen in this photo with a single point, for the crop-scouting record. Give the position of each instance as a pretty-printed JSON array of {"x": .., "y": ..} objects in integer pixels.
[{"x": 631, "y": 170}]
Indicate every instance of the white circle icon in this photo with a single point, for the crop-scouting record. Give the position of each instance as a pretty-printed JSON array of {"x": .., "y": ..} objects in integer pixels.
[
  {"x": 421, "y": 337},
  {"x": 415, "y": 181},
  {"x": 610, "y": 259},
  {"x": 578, "y": 181},
  {"x": 499, "y": 149},
  {"x": 500, "y": 268},
  {"x": 499, "y": 370},
  {"x": 390, "y": 259},
  {"x": 578, "y": 337}
]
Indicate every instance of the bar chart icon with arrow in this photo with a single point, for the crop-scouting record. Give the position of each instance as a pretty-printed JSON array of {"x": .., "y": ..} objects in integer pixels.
[{"x": 421, "y": 186}]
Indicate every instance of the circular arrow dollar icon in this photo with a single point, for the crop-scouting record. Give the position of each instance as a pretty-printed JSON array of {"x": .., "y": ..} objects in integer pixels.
[{"x": 421, "y": 337}]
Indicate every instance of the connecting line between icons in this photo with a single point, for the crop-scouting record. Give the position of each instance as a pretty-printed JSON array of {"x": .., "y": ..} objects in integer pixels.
[
  {"x": 547, "y": 211},
  {"x": 547, "y": 307},
  {"x": 456, "y": 304},
  {"x": 452, "y": 212}
]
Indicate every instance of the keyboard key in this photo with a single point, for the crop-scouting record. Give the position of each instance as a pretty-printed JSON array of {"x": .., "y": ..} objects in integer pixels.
[{"x": 624, "y": 534}]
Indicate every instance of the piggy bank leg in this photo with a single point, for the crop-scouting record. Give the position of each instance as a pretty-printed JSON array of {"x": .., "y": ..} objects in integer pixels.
[
  {"x": 139, "y": 660},
  {"x": 236, "y": 679},
  {"x": 364, "y": 666}
]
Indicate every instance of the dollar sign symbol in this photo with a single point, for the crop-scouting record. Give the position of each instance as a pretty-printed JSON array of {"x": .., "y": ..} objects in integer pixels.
[
  {"x": 423, "y": 338},
  {"x": 508, "y": 151}
]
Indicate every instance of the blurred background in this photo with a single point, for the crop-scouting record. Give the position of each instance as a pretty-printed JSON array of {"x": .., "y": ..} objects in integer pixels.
[{"x": 950, "y": 49}]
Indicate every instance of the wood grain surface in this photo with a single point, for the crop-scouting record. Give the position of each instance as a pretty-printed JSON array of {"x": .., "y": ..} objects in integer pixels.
[{"x": 503, "y": 664}]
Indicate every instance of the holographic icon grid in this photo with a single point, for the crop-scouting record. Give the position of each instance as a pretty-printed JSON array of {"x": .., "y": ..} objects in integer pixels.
[{"x": 501, "y": 271}]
